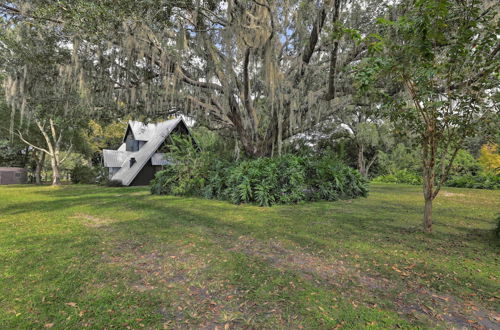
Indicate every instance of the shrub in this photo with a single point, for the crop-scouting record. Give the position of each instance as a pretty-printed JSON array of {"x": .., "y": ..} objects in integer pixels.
[
  {"x": 164, "y": 181},
  {"x": 482, "y": 180},
  {"x": 265, "y": 181},
  {"x": 400, "y": 157},
  {"x": 464, "y": 163},
  {"x": 490, "y": 158},
  {"x": 113, "y": 183},
  {"x": 105, "y": 181},
  {"x": 216, "y": 180},
  {"x": 188, "y": 174},
  {"x": 268, "y": 181},
  {"x": 83, "y": 174},
  {"x": 329, "y": 179},
  {"x": 400, "y": 176}
]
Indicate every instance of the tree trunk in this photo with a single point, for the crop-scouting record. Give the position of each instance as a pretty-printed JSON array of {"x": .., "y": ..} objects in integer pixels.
[
  {"x": 56, "y": 173},
  {"x": 428, "y": 196},
  {"x": 429, "y": 150},
  {"x": 39, "y": 167},
  {"x": 369, "y": 165},
  {"x": 428, "y": 215},
  {"x": 26, "y": 156},
  {"x": 361, "y": 160}
]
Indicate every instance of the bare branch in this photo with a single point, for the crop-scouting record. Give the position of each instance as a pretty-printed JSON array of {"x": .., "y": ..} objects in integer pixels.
[
  {"x": 31, "y": 144},
  {"x": 67, "y": 154}
]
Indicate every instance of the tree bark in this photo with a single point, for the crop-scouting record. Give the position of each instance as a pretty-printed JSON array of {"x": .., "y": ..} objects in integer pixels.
[
  {"x": 429, "y": 161},
  {"x": 428, "y": 215},
  {"x": 54, "y": 149},
  {"x": 369, "y": 165},
  {"x": 333, "y": 55},
  {"x": 39, "y": 167},
  {"x": 428, "y": 193},
  {"x": 26, "y": 156},
  {"x": 361, "y": 160},
  {"x": 56, "y": 173}
]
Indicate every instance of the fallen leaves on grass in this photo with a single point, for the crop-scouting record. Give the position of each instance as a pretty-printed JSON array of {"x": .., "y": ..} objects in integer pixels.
[{"x": 411, "y": 300}]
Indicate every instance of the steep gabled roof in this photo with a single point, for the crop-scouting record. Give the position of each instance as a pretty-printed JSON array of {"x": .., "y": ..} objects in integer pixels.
[
  {"x": 145, "y": 132},
  {"x": 115, "y": 158},
  {"x": 153, "y": 134}
]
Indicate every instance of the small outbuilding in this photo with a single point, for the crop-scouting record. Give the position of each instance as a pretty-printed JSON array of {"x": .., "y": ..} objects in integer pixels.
[{"x": 13, "y": 175}]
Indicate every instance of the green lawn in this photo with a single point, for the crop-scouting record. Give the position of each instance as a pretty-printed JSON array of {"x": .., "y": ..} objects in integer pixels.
[{"x": 76, "y": 256}]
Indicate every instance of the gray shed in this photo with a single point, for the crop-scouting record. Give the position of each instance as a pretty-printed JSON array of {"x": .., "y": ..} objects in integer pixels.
[{"x": 13, "y": 175}]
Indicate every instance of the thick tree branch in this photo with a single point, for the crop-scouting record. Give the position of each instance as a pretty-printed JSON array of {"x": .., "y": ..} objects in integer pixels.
[
  {"x": 31, "y": 144},
  {"x": 9, "y": 10},
  {"x": 315, "y": 32},
  {"x": 67, "y": 153},
  {"x": 333, "y": 54},
  {"x": 246, "y": 92}
]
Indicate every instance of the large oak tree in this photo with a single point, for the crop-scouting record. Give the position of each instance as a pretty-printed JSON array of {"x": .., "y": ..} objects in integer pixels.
[{"x": 262, "y": 70}]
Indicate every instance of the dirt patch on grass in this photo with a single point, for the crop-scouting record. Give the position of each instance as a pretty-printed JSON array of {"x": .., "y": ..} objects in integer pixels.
[
  {"x": 450, "y": 194},
  {"x": 93, "y": 221},
  {"x": 411, "y": 301},
  {"x": 308, "y": 265},
  {"x": 203, "y": 300},
  {"x": 427, "y": 304},
  {"x": 196, "y": 296},
  {"x": 165, "y": 266},
  {"x": 168, "y": 269}
]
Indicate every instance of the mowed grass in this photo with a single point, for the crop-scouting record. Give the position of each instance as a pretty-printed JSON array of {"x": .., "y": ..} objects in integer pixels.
[{"x": 87, "y": 256}]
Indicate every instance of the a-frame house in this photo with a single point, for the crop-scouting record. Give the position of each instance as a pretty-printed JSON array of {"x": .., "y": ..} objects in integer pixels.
[{"x": 138, "y": 158}]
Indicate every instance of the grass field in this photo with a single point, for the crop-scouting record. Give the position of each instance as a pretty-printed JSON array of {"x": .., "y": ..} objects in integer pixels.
[{"x": 86, "y": 256}]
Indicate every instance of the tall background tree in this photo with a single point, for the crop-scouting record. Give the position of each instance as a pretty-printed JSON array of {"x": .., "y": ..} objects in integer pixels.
[
  {"x": 40, "y": 91},
  {"x": 263, "y": 70}
]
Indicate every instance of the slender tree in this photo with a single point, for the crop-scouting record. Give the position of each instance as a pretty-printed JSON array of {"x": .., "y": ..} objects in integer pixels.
[{"x": 445, "y": 54}]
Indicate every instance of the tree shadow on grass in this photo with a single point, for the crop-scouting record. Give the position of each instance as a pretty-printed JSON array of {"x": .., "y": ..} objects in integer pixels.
[
  {"x": 159, "y": 219},
  {"x": 226, "y": 233},
  {"x": 306, "y": 226},
  {"x": 298, "y": 226}
]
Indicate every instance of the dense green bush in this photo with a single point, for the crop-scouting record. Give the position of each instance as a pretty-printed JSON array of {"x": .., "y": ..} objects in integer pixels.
[
  {"x": 83, "y": 174},
  {"x": 163, "y": 182},
  {"x": 464, "y": 163},
  {"x": 400, "y": 176},
  {"x": 328, "y": 179},
  {"x": 481, "y": 180},
  {"x": 265, "y": 181},
  {"x": 268, "y": 181},
  {"x": 400, "y": 157},
  {"x": 216, "y": 182},
  {"x": 193, "y": 173}
]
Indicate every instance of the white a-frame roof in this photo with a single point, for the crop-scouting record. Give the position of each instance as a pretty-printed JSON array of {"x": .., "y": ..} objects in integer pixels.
[{"x": 153, "y": 134}]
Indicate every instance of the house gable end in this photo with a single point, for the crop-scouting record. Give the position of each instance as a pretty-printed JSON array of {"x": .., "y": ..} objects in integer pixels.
[
  {"x": 128, "y": 131},
  {"x": 154, "y": 136}
]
